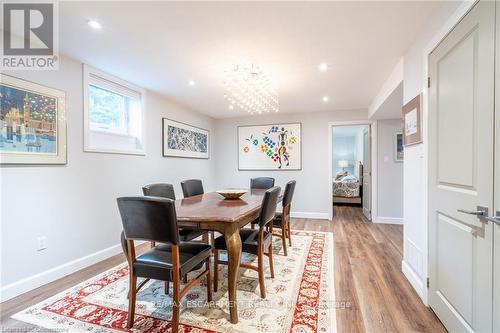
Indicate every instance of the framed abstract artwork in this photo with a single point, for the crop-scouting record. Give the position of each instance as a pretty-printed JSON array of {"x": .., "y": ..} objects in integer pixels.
[
  {"x": 183, "y": 140},
  {"x": 398, "y": 147},
  {"x": 412, "y": 121},
  {"x": 32, "y": 123},
  {"x": 270, "y": 147}
]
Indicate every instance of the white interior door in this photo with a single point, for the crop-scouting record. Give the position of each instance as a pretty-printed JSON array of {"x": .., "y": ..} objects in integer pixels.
[
  {"x": 367, "y": 173},
  {"x": 461, "y": 118}
]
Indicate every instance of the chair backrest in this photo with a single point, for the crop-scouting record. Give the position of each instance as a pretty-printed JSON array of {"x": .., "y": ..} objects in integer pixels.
[
  {"x": 192, "y": 187},
  {"x": 288, "y": 195},
  {"x": 264, "y": 183},
  {"x": 159, "y": 190},
  {"x": 269, "y": 203},
  {"x": 149, "y": 218}
]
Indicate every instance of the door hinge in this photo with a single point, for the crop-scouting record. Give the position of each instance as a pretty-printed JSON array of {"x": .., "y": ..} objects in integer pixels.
[
  {"x": 428, "y": 283},
  {"x": 428, "y": 82}
]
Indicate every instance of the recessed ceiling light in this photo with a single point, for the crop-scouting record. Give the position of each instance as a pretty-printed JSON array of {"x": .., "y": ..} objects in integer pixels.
[
  {"x": 191, "y": 83},
  {"x": 325, "y": 99},
  {"x": 323, "y": 67},
  {"x": 94, "y": 24},
  {"x": 231, "y": 106}
]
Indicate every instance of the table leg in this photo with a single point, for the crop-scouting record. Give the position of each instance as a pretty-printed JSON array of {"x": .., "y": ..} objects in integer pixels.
[{"x": 233, "y": 243}]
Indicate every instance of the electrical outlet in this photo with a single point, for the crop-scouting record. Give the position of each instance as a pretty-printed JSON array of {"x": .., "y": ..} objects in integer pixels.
[{"x": 42, "y": 243}]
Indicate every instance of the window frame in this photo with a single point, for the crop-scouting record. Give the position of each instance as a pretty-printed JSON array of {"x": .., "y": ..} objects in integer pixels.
[{"x": 90, "y": 74}]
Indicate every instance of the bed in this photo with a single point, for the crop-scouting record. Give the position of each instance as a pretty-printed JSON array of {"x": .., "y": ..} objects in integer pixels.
[{"x": 348, "y": 189}]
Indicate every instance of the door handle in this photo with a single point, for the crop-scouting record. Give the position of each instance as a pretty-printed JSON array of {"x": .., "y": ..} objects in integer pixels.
[
  {"x": 471, "y": 212},
  {"x": 480, "y": 211},
  {"x": 494, "y": 219}
]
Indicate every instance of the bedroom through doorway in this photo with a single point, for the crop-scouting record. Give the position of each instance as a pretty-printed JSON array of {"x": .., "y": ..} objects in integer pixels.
[{"x": 351, "y": 167}]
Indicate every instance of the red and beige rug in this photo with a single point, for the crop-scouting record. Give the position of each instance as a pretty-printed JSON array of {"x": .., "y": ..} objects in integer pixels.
[{"x": 300, "y": 298}]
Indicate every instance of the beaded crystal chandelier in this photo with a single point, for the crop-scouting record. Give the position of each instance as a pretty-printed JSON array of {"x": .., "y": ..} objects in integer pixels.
[{"x": 249, "y": 89}]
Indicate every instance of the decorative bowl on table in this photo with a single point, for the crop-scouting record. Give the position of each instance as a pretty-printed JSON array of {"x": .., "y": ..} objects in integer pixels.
[{"x": 232, "y": 193}]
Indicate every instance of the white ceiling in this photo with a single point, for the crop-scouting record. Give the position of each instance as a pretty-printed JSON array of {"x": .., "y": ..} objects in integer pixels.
[{"x": 163, "y": 45}]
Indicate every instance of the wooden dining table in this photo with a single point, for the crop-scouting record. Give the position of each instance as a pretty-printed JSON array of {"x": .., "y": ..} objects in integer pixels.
[{"x": 210, "y": 211}]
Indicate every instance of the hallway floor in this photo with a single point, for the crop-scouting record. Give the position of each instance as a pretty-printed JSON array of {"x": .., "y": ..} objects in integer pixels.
[{"x": 368, "y": 276}]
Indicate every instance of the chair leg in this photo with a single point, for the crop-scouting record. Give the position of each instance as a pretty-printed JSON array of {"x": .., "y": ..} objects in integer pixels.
[
  {"x": 167, "y": 287},
  {"x": 283, "y": 239},
  {"x": 289, "y": 234},
  {"x": 176, "y": 291},
  {"x": 131, "y": 300},
  {"x": 216, "y": 269},
  {"x": 185, "y": 279},
  {"x": 260, "y": 261},
  {"x": 175, "y": 309},
  {"x": 209, "y": 282},
  {"x": 271, "y": 266}
]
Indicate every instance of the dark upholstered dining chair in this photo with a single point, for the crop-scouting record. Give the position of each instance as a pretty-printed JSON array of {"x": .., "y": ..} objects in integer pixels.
[
  {"x": 154, "y": 219},
  {"x": 282, "y": 220},
  {"x": 264, "y": 183},
  {"x": 164, "y": 190},
  {"x": 192, "y": 187},
  {"x": 254, "y": 241}
]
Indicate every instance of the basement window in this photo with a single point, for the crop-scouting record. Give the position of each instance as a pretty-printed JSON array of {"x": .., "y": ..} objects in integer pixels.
[{"x": 113, "y": 114}]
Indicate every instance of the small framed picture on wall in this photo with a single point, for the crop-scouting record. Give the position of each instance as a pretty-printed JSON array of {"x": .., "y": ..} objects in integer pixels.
[
  {"x": 183, "y": 140},
  {"x": 412, "y": 121}
]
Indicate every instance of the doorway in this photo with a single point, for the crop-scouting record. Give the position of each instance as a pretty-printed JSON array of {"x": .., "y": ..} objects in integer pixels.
[{"x": 350, "y": 167}]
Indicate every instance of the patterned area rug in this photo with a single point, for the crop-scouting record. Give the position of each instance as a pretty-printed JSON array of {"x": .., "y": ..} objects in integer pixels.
[{"x": 299, "y": 299}]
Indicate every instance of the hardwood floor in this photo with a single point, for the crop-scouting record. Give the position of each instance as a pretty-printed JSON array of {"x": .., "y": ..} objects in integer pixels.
[
  {"x": 368, "y": 276},
  {"x": 368, "y": 279}
]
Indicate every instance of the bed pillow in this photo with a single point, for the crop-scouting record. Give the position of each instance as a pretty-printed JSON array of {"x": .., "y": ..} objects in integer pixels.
[
  {"x": 340, "y": 175},
  {"x": 349, "y": 179}
]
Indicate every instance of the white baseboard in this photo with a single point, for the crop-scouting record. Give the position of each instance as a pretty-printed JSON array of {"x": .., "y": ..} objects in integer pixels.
[
  {"x": 309, "y": 215},
  {"x": 19, "y": 287},
  {"x": 387, "y": 220},
  {"x": 413, "y": 278}
]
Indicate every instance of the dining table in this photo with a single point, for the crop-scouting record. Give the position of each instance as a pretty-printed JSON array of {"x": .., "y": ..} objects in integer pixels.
[{"x": 212, "y": 212}]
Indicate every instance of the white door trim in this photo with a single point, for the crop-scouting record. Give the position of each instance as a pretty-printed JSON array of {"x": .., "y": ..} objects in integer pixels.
[
  {"x": 373, "y": 160},
  {"x": 433, "y": 43}
]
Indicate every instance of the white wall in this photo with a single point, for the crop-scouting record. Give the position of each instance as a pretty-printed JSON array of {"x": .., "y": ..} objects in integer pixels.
[
  {"x": 344, "y": 148},
  {"x": 415, "y": 165},
  {"x": 74, "y": 205},
  {"x": 347, "y": 146},
  {"x": 389, "y": 174},
  {"x": 313, "y": 183},
  {"x": 389, "y": 86}
]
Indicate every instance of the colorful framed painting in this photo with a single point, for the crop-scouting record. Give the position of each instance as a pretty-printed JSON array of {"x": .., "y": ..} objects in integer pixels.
[
  {"x": 412, "y": 120},
  {"x": 32, "y": 123},
  {"x": 398, "y": 147},
  {"x": 183, "y": 140},
  {"x": 270, "y": 147}
]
